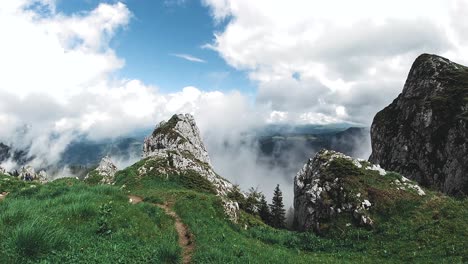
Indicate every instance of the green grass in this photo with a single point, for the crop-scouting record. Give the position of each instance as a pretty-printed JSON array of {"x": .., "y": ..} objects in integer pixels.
[
  {"x": 74, "y": 222},
  {"x": 93, "y": 177},
  {"x": 59, "y": 223},
  {"x": 406, "y": 229},
  {"x": 12, "y": 184}
]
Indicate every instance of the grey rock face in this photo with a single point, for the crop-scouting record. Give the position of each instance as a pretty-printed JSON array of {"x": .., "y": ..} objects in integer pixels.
[
  {"x": 319, "y": 196},
  {"x": 178, "y": 142},
  {"x": 2, "y": 170},
  {"x": 27, "y": 173},
  {"x": 179, "y": 134},
  {"x": 423, "y": 133},
  {"x": 106, "y": 169},
  {"x": 334, "y": 186}
]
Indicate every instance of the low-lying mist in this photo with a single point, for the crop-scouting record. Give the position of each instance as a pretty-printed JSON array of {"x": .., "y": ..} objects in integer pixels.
[
  {"x": 247, "y": 157},
  {"x": 260, "y": 162}
]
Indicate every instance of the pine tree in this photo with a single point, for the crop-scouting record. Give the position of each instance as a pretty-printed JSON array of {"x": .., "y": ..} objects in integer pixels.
[
  {"x": 236, "y": 195},
  {"x": 252, "y": 201},
  {"x": 277, "y": 209},
  {"x": 264, "y": 210}
]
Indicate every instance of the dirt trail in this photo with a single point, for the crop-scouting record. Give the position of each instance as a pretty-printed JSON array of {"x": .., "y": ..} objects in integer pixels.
[{"x": 185, "y": 237}]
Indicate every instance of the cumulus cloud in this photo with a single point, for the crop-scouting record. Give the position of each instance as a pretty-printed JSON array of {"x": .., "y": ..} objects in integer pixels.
[
  {"x": 312, "y": 56},
  {"x": 57, "y": 82}
]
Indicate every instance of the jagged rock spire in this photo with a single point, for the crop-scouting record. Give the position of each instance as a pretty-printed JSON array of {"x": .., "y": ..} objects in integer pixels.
[
  {"x": 178, "y": 145},
  {"x": 180, "y": 133}
]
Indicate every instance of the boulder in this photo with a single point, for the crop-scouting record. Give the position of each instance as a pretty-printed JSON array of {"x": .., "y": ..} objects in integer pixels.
[
  {"x": 423, "y": 133},
  {"x": 42, "y": 176},
  {"x": 28, "y": 173}
]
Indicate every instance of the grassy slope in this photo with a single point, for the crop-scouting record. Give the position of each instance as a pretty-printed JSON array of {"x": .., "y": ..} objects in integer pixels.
[
  {"x": 59, "y": 223},
  {"x": 217, "y": 239},
  {"x": 431, "y": 229}
]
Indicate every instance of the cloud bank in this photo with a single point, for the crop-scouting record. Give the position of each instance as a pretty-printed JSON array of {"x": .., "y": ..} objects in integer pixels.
[
  {"x": 59, "y": 82},
  {"x": 325, "y": 61}
]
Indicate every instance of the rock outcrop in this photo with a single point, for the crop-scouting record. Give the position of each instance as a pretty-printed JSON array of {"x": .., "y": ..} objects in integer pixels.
[
  {"x": 177, "y": 146},
  {"x": 104, "y": 173},
  {"x": 334, "y": 186},
  {"x": 423, "y": 133},
  {"x": 28, "y": 173},
  {"x": 2, "y": 170}
]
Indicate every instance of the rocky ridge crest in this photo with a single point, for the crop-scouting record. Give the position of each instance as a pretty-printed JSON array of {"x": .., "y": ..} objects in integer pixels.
[{"x": 423, "y": 133}]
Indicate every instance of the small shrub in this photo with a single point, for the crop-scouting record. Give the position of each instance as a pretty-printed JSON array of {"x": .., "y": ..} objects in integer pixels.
[{"x": 105, "y": 212}]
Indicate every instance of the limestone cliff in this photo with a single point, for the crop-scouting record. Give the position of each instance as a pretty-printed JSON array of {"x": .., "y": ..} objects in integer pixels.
[{"x": 423, "y": 133}]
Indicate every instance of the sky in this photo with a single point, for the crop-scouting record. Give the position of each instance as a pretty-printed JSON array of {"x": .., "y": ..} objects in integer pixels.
[{"x": 100, "y": 69}]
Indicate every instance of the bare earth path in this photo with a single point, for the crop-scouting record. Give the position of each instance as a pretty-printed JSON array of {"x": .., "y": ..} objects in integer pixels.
[{"x": 185, "y": 237}]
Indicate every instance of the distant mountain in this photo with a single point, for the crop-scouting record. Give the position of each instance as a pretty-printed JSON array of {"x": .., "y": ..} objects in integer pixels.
[
  {"x": 283, "y": 129},
  {"x": 19, "y": 156},
  {"x": 283, "y": 148},
  {"x": 89, "y": 153}
]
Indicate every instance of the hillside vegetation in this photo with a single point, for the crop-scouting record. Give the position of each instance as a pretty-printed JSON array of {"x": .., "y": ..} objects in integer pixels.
[{"x": 69, "y": 221}]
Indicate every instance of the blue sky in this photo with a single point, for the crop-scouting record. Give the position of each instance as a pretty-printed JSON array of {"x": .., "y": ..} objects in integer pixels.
[{"x": 158, "y": 30}]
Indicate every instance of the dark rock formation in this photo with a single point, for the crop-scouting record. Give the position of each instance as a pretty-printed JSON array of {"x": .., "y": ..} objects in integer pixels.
[{"x": 423, "y": 133}]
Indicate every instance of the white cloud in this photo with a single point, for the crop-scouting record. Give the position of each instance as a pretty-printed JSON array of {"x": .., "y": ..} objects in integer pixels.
[
  {"x": 57, "y": 82},
  {"x": 339, "y": 49},
  {"x": 188, "y": 57}
]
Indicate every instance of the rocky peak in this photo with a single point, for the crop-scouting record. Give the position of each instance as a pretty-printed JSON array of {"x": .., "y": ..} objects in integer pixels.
[
  {"x": 334, "y": 186},
  {"x": 107, "y": 169},
  {"x": 428, "y": 73},
  {"x": 176, "y": 146},
  {"x": 104, "y": 173},
  {"x": 180, "y": 133},
  {"x": 424, "y": 132}
]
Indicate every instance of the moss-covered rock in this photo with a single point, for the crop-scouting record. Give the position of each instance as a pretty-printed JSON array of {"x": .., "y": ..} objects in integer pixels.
[{"x": 334, "y": 191}]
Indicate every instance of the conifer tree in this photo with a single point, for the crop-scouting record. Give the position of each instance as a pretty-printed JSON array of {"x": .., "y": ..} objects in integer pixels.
[
  {"x": 252, "y": 201},
  {"x": 264, "y": 210},
  {"x": 277, "y": 209}
]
